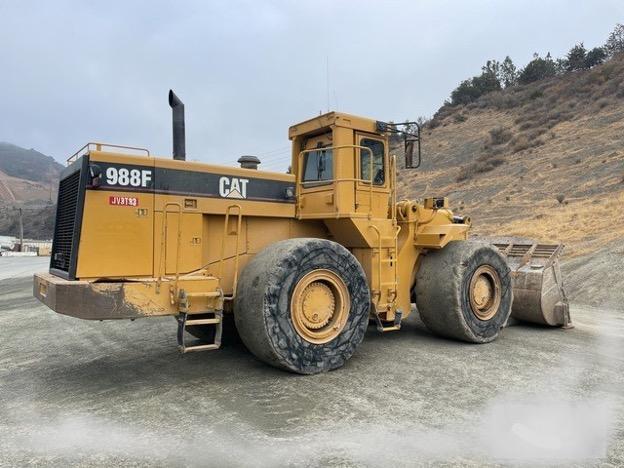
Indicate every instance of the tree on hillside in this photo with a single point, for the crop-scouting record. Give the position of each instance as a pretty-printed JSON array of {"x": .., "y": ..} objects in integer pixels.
[
  {"x": 465, "y": 93},
  {"x": 491, "y": 68},
  {"x": 470, "y": 90},
  {"x": 560, "y": 66},
  {"x": 538, "y": 69},
  {"x": 595, "y": 57},
  {"x": 575, "y": 60},
  {"x": 615, "y": 42},
  {"x": 508, "y": 73},
  {"x": 488, "y": 80}
]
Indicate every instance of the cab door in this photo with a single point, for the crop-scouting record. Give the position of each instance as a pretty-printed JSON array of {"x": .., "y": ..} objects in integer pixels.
[{"x": 372, "y": 170}]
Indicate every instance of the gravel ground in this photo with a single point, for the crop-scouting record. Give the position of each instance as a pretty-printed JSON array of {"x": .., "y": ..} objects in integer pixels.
[
  {"x": 17, "y": 267},
  {"x": 77, "y": 393}
]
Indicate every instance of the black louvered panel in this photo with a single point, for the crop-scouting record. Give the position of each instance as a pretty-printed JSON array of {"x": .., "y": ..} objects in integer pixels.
[{"x": 66, "y": 215}]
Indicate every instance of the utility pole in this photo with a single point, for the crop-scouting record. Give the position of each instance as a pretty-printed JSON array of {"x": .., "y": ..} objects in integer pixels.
[{"x": 21, "y": 231}]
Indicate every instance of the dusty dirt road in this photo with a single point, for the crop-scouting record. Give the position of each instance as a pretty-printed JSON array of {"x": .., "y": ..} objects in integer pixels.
[{"x": 117, "y": 393}]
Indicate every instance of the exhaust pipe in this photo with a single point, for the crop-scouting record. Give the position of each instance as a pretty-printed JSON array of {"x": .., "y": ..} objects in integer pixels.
[{"x": 179, "y": 140}]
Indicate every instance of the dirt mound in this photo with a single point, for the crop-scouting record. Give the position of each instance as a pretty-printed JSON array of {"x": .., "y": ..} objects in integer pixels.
[{"x": 597, "y": 279}]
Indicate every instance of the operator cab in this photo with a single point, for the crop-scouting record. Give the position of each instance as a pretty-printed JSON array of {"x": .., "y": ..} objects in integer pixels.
[{"x": 342, "y": 167}]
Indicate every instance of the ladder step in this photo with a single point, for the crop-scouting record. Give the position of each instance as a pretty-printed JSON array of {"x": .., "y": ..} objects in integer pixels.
[
  {"x": 184, "y": 321},
  {"x": 389, "y": 283},
  {"x": 203, "y": 294},
  {"x": 396, "y": 325},
  {"x": 388, "y": 260},
  {"x": 190, "y": 349},
  {"x": 210, "y": 321}
]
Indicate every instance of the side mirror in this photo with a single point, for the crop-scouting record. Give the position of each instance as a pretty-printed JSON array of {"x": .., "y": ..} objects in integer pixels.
[
  {"x": 411, "y": 139},
  {"x": 412, "y": 150},
  {"x": 409, "y": 152}
]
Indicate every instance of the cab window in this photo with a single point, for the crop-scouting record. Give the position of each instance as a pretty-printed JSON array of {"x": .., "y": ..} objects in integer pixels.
[
  {"x": 318, "y": 166},
  {"x": 379, "y": 173}
]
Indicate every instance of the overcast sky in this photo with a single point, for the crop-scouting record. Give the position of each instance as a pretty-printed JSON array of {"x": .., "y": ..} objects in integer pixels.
[{"x": 78, "y": 71}]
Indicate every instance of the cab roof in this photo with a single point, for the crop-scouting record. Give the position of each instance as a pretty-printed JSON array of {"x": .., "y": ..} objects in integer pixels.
[{"x": 330, "y": 120}]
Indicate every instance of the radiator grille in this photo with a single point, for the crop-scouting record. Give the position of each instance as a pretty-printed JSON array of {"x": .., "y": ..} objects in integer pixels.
[{"x": 66, "y": 214}]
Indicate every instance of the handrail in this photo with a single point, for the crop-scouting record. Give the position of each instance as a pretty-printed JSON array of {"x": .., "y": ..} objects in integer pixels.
[
  {"x": 393, "y": 189},
  {"x": 397, "y": 230},
  {"x": 98, "y": 147},
  {"x": 334, "y": 181},
  {"x": 376, "y": 229},
  {"x": 239, "y": 225},
  {"x": 396, "y": 260}
]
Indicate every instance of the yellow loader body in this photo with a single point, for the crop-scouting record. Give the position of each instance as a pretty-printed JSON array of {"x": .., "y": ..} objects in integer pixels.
[{"x": 141, "y": 236}]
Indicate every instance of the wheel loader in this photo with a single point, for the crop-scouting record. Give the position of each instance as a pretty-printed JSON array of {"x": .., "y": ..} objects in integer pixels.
[{"x": 301, "y": 263}]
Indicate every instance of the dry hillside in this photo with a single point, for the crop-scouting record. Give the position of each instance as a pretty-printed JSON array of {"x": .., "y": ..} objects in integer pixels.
[
  {"x": 28, "y": 180},
  {"x": 14, "y": 189},
  {"x": 28, "y": 164},
  {"x": 544, "y": 160}
]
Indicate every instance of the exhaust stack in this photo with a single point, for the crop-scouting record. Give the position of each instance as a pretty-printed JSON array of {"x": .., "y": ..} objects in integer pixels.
[{"x": 179, "y": 140}]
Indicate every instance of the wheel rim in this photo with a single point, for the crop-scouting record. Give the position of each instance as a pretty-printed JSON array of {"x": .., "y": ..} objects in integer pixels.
[
  {"x": 320, "y": 306},
  {"x": 485, "y": 292}
]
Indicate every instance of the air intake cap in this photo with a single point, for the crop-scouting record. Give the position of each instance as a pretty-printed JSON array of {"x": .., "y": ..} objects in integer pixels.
[{"x": 249, "y": 162}]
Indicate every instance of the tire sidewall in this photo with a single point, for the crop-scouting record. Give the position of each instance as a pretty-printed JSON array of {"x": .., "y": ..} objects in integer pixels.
[
  {"x": 486, "y": 330},
  {"x": 295, "y": 352}
]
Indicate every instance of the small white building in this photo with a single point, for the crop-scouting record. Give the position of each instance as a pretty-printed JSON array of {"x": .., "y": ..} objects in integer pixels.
[
  {"x": 36, "y": 247},
  {"x": 7, "y": 243}
]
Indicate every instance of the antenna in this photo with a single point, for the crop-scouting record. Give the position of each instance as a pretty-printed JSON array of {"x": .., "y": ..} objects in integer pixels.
[{"x": 327, "y": 80}]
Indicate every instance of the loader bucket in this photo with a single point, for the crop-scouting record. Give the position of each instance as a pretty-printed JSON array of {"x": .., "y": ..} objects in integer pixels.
[{"x": 538, "y": 291}]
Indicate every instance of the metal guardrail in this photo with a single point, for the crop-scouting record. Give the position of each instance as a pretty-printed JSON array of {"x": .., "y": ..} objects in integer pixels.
[{"x": 98, "y": 147}]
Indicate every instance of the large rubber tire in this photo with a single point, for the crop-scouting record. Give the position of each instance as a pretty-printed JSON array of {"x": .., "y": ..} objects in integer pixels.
[
  {"x": 442, "y": 291},
  {"x": 262, "y": 308}
]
